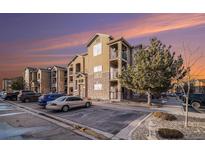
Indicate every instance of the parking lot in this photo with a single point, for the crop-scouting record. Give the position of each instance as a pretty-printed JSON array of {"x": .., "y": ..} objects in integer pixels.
[
  {"x": 105, "y": 118},
  {"x": 102, "y": 118},
  {"x": 18, "y": 124}
]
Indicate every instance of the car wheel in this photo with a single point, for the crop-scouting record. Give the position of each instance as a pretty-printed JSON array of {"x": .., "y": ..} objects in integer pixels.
[
  {"x": 65, "y": 108},
  {"x": 26, "y": 100},
  {"x": 87, "y": 104},
  {"x": 196, "y": 105}
]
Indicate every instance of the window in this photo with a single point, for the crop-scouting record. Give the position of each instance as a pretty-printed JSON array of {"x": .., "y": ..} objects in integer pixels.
[
  {"x": 77, "y": 67},
  {"x": 97, "y": 68},
  {"x": 76, "y": 84},
  {"x": 74, "y": 99},
  {"x": 97, "y": 49},
  {"x": 39, "y": 76},
  {"x": 98, "y": 86},
  {"x": 71, "y": 79}
]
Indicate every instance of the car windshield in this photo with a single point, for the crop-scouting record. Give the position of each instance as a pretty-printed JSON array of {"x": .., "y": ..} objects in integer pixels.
[
  {"x": 60, "y": 99},
  {"x": 44, "y": 96}
]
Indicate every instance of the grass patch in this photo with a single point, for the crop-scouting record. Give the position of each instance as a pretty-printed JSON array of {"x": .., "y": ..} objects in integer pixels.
[{"x": 164, "y": 116}]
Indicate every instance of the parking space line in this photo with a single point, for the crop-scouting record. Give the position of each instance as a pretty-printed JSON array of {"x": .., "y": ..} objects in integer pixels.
[{"x": 11, "y": 114}]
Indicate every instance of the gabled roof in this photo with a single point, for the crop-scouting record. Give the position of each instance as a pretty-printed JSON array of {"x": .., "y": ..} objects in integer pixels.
[
  {"x": 58, "y": 67},
  {"x": 84, "y": 54},
  {"x": 80, "y": 73},
  {"x": 120, "y": 39},
  {"x": 96, "y": 35},
  {"x": 44, "y": 69},
  {"x": 31, "y": 68}
]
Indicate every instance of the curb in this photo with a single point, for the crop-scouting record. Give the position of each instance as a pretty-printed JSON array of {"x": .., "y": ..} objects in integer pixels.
[
  {"x": 81, "y": 129},
  {"x": 131, "y": 132}
]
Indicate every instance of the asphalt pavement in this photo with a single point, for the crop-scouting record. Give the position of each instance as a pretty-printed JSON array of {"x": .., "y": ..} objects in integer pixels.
[{"x": 16, "y": 124}]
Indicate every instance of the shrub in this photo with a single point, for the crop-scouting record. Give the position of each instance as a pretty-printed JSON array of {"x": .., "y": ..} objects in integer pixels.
[
  {"x": 164, "y": 116},
  {"x": 170, "y": 133}
]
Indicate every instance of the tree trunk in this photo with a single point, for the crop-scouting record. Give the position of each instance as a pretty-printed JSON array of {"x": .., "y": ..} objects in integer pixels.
[
  {"x": 186, "y": 116},
  {"x": 149, "y": 98},
  {"x": 187, "y": 103}
]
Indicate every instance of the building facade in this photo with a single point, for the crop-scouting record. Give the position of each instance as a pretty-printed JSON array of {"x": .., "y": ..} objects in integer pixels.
[
  {"x": 100, "y": 68},
  {"x": 30, "y": 79},
  {"x": 58, "y": 79},
  {"x": 198, "y": 86},
  {"x": 77, "y": 76},
  {"x": 44, "y": 80},
  {"x": 7, "y": 83}
]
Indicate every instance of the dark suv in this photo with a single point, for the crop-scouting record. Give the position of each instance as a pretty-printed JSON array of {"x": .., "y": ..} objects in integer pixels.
[
  {"x": 196, "y": 100},
  {"x": 10, "y": 96},
  {"x": 28, "y": 96}
]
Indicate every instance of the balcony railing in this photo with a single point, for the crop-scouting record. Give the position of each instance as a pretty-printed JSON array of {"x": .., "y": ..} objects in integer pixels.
[
  {"x": 114, "y": 74},
  {"x": 124, "y": 55},
  {"x": 53, "y": 85},
  {"x": 113, "y": 95},
  {"x": 53, "y": 76},
  {"x": 70, "y": 72},
  {"x": 113, "y": 54}
]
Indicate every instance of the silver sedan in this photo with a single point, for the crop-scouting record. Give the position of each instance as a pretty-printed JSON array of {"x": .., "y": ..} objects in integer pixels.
[{"x": 65, "y": 103}]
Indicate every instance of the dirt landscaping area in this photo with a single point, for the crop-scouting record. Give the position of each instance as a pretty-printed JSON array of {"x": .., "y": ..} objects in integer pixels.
[{"x": 149, "y": 128}]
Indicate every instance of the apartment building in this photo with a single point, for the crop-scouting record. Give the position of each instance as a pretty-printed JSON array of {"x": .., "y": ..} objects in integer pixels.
[
  {"x": 59, "y": 79},
  {"x": 30, "y": 79},
  {"x": 198, "y": 86},
  {"x": 44, "y": 80},
  {"x": 77, "y": 75},
  {"x": 7, "y": 83},
  {"x": 103, "y": 64}
]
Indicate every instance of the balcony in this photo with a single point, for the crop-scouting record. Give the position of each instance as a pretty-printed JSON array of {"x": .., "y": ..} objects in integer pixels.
[
  {"x": 114, "y": 51},
  {"x": 70, "y": 72},
  {"x": 114, "y": 74},
  {"x": 124, "y": 55},
  {"x": 113, "y": 92},
  {"x": 53, "y": 85},
  {"x": 113, "y": 54}
]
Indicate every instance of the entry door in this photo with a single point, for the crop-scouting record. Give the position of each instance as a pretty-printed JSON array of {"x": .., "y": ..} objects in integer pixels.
[{"x": 81, "y": 91}]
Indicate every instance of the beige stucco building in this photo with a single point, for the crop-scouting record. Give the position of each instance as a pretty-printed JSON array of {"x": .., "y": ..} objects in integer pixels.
[
  {"x": 58, "y": 79},
  {"x": 30, "y": 79},
  {"x": 100, "y": 68},
  {"x": 77, "y": 75},
  {"x": 37, "y": 79},
  {"x": 44, "y": 80},
  {"x": 7, "y": 83}
]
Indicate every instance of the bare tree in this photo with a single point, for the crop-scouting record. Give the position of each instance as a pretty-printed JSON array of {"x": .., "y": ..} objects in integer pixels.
[{"x": 192, "y": 58}]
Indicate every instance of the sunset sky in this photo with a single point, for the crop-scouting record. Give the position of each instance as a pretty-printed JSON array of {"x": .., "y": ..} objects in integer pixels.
[{"x": 42, "y": 40}]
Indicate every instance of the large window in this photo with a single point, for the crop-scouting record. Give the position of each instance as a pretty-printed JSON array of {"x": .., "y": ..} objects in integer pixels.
[
  {"x": 98, "y": 86},
  {"x": 97, "y": 68},
  {"x": 97, "y": 49},
  {"x": 77, "y": 67}
]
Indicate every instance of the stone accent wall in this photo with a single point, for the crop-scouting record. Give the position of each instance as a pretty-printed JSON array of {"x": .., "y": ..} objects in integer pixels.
[{"x": 99, "y": 94}]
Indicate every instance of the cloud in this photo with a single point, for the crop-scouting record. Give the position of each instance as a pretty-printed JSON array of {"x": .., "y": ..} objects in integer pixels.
[
  {"x": 149, "y": 24},
  {"x": 16, "y": 55}
]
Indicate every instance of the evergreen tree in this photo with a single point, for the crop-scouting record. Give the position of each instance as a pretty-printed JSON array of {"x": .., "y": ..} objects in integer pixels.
[{"x": 153, "y": 69}]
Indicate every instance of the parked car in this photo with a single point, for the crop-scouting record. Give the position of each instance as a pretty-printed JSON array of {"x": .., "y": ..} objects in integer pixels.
[
  {"x": 42, "y": 101},
  {"x": 10, "y": 96},
  {"x": 195, "y": 100},
  {"x": 171, "y": 95},
  {"x": 180, "y": 95},
  {"x": 28, "y": 96},
  {"x": 65, "y": 103},
  {"x": 2, "y": 94}
]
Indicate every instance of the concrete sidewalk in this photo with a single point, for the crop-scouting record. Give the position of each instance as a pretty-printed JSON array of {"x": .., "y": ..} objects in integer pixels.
[{"x": 172, "y": 109}]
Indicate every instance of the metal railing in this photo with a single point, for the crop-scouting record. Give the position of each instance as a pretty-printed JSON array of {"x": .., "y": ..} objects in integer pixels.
[{"x": 114, "y": 74}]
